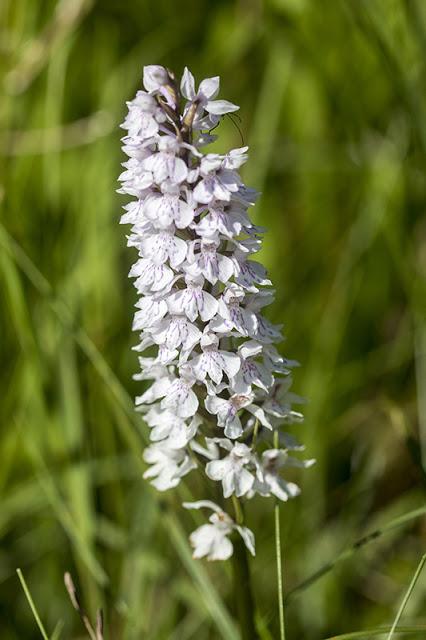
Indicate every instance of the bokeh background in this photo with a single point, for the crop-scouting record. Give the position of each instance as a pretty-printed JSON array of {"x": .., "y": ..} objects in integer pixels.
[{"x": 333, "y": 106}]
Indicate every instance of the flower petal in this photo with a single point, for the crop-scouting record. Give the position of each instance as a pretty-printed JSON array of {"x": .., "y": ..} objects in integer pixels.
[
  {"x": 154, "y": 76},
  {"x": 201, "y": 504},
  {"x": 207, "y": 306},
  {"x": 220, "y": 107},
  {"x": 248, "y": 538},
  {"x": 209, "y": 88},
  {"x": 218, "y": 469},
  {"x": 187, "y": 85}
]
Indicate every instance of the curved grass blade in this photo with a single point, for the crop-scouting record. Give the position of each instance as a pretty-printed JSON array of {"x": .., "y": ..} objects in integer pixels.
[
  {"x": 57, "y": 631},
  {"x": 350, "y": 551},
  {"x": 380, "y": 631}
]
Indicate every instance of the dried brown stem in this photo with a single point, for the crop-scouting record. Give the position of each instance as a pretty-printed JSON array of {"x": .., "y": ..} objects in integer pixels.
[{"x": 75, "y": 601}]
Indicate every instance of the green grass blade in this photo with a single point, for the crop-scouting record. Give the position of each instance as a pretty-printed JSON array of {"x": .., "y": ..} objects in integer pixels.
[
  {"x": 407, "y": 596},
  {"x": 32, "y": 604},
  {"x": 65, "y": 517},
  {"x": 57, "y": 631},
  {"x": 381, "y": 631},
  {"x": 60, "y": 309}
]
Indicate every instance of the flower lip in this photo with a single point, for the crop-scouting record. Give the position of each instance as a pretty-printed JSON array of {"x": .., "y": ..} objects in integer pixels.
[{"x": 240, "y": 401}]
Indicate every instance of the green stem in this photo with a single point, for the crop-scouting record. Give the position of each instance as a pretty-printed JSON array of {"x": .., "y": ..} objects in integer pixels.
[
  {"x": 239, "y": 517},
  {"x": 278, "y": 554},
  {"x": 242, "y": 590},
  {"x": 255, "y": 432},
  {"x": 279, "y": 571}
]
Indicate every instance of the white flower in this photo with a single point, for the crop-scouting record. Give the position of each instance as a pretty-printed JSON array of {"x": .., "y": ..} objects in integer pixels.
[
  {"x": 232, "y": 470},
  {"x": 250, "y": 274},
  {"x": 162, "y": 246},
  {"x": 208, "y": 89},
  {"x": 209, "y": 262},
  {"x": 165, "y": 164},
  {"x": 141, "y": 120},
  {"x": 152, "y": 275},
  {"x": 251, "y": 371},
  {"x": 235, "y": 158},
  {"x": 168, "y": 208},
  {"x": 269, "y": 480},
  {"x": 218, "y": 222},
  {"x": 193, "y": 301},
  {"x": 181, "y": 398},
  {"x": 275, "y": 362},
  {"x": 279, "y": 402},
  {"x": 232, "y": 315},
  {"x": 136, "y": 179},
  {"x": 219, "y": 185},
  {"x": 227, "y": 412},
  {"x": 157, "y": 390},
  {"x": 211, "y": 540},
  {"x": 214, "y": 362},
  {"x": 265, "y": 331},
  {"x": 173, "y": 431},
  {"x": 168, "y": 465},
  {"x": 151, "y": 311},
  {"x": 175, "y": 331}
]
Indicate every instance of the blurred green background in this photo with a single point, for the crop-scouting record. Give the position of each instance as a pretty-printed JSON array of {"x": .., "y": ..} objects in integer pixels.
[{"x": 333, "y": 106}]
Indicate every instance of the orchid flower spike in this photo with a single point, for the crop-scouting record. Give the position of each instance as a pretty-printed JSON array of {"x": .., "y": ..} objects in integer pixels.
[{"x": 219, "y": 393}]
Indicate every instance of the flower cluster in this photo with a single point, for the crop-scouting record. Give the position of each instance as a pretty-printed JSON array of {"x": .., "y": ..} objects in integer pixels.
[{"x": 219, "y": 389}]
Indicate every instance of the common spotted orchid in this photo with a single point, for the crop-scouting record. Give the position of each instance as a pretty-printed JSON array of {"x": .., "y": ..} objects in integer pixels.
[{"x": 220, "y": 390}]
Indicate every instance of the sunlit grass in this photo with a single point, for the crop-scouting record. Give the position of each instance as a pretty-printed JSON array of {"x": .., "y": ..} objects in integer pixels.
[{"x": 333, "y": 107}]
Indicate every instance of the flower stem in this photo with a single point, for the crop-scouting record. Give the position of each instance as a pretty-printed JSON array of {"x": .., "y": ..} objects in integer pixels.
[
  {"x": 239, "y": 518},
  {"x": 279, "y": 571},
  {"x": 242, "y": 590},
  {"x": 279, "y": 558}
]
